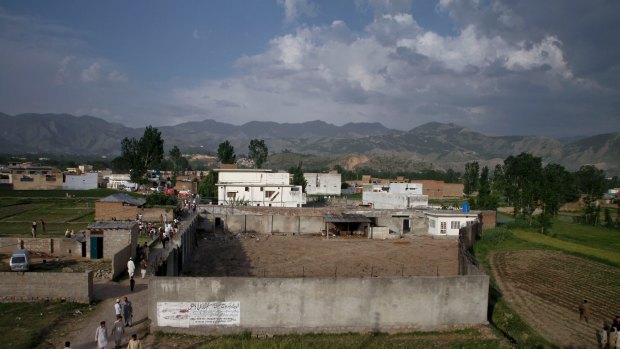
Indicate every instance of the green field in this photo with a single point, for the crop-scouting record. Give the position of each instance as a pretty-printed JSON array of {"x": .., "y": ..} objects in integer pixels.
[
  {"x": 60, "y": 209},
  {"x": 596, "y": 243}
]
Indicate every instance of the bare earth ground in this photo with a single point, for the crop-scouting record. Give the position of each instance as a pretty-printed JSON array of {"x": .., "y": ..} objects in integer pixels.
[
  {"x": 227, "y": 254},
  {"x": 546, "y": 288}
]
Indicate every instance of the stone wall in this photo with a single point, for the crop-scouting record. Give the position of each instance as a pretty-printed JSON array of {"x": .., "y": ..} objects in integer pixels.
[
  {"x": 302, "y": 305},
  {"x": 119, "y": 261},
  {"x": 28, "y": 286}
]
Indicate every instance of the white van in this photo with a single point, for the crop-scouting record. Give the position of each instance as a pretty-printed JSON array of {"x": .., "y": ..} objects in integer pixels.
[{"x": 20, "y": 260}]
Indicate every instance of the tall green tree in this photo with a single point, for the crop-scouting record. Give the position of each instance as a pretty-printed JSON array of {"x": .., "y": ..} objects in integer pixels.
[
  {"x": 471, "y": 177},
  {"x": 557, "y": 188},
  {"x": 226, "y": 153},
  {"x": 486, "y": 200},
  {"x": 591, "y": 183},
  {"x": 522, "y": 181},
  {"x": 179, "y": 163},
  {"x": 298, "y": 176},
  {"x": 258, "y": 152},
  {"x": 208, "y": 187},
  {"x": 143, "y": 154}
]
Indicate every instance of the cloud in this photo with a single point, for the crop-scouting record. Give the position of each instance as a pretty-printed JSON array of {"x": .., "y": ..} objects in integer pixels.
[
  {"x": 196, "y": 34},
  {"x": 91, "y": 73},
  {"x": 117, "y": 76},
  {"x": 293, "y": 9}
]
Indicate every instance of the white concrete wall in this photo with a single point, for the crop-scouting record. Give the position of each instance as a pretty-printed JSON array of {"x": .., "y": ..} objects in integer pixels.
[
  {"x": 258, "y": 177},
  {"x": 434, "y": 224},
  {"x": 385, "y": 200},
  {"x": 323, "y": 183},
  {"x": 410, "y": 188},
  {"x": 274, "y": 196},
  {"x": 81, "y": 182},
  {"x": 301, "y": 305}
]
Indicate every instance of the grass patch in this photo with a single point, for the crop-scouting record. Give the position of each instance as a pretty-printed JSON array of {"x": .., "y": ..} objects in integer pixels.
[
  {"x": 25, "y": 325},
  {"x": 468, "y": 338}
]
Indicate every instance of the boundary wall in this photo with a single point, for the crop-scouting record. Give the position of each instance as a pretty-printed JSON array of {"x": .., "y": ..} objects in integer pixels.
[
  {"x": 50, "y": 246},
  {"x": 33, "y": 286},
  {"x": 303, "y": 305},
  {"x": 120, "y": 259}
]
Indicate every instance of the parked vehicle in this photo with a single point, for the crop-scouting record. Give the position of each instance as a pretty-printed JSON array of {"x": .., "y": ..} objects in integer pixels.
[{"x": 20, "y": 260}]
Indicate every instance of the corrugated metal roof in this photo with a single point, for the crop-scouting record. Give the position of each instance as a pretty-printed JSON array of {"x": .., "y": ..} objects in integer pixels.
[
  {"x": 121, "y": 197},
  {"x": 346, "y": 218},
  {"x": 111, "y": 225}
]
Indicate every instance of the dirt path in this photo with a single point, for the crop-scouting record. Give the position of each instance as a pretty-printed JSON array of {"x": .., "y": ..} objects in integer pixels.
[{"x": 546, "y": 288}]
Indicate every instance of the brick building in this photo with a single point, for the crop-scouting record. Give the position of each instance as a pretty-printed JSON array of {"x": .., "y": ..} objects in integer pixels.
[{"x": 119, "y": 207}]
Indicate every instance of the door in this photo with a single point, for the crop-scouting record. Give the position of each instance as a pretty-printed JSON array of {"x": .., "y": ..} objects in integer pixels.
[
  {"x": 83, "y": 248},
  {"x": 96, "y": 247}
]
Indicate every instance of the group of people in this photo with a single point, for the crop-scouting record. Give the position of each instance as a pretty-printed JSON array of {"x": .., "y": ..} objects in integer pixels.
[
  {"x": 123, "y": 311},
  {"x": 609, "y": 336}
]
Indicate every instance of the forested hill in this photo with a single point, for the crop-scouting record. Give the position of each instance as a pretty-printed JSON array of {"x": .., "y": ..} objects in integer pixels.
[{"x": 445, "y": 145}]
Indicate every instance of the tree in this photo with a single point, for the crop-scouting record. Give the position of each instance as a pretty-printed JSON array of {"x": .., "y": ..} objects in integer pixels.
[
  {"x": 258, "y": 152},
  {"x": 298, "y": 176},
  {"x": 522, "y": 181},
  {"x": 591, "y": 182},
  {"x": 471, "y": 177},
  {"x": 143, "y": 154},
  {"x": 179, "y": 163},
  {"x": 208, "y": 187},
  {"x": 452, "y": 176},
  {"x": 485, "y": 200},
  {"x": 557, "y": 188},
  {"x": 226, "y": 153}
]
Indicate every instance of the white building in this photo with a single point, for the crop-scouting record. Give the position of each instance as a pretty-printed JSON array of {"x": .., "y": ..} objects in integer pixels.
[
  {"x": 323, "y": 183},
  {"x": 121, "y": 182},
  {"x": 257, "y": 187},
  {"x": 82, "y": 181},
  {"x": 447, "y": 222},
  {"x": 410, "y": 188},
  {"x": 394, "y": 201}
]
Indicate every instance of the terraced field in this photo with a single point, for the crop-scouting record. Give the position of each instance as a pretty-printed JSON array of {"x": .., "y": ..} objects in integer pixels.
[{"x": 546, "y": 288}]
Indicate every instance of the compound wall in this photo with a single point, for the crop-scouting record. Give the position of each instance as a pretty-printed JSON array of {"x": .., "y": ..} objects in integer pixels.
[
  {"x": 29, "y": 286},
  {"x": 301, "y": 305}
]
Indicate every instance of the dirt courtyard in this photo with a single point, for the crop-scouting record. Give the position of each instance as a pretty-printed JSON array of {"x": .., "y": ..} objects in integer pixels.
[{"x": 227, "y": 254}]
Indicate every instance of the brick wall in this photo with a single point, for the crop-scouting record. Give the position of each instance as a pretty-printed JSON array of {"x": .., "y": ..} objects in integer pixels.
[
  {"x": 39, "y": 182},
  {"x": 72, "y": 287},
  {"x": 453, "y": 190},
  {"x": 152, "y": 214}
]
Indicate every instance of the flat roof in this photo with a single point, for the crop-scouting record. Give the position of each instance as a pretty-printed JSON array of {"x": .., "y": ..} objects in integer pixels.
[
  {"x": 452, "y": 213},
  {"x": 112, "y": 225},
  {"x": 346, "y": 218},
  {"x": 243, "y": 170},
  {"x": 122, "y": 197}
]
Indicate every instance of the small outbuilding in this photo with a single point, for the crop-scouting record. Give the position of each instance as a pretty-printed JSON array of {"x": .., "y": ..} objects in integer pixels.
[
  {"x": 118, "y": 207},
  {"x": 448, "y": 222}
]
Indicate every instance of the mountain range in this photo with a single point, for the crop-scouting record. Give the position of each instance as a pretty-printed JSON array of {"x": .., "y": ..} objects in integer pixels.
[{"x": 443, "y": 145}]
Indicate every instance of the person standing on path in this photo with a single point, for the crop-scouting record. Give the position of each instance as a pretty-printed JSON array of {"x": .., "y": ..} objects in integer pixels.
[
  {"x": 67, "y": 345},
  {"x": 134, "y": 342},
  {"x": 117, "y": 332},
  {"x": 143, "y": 266},
  {"x": 132, "y": 283},
  {"x": 43, "y": 225},
  {"x": 101, "y": 336},
  {"x": 117, "y": 307},
  {"x": 131, "y": 267},
  {"x": 128, "y": 312},
  {"x": 585, "y": 310},
  {"x": 34, "y": 229}
]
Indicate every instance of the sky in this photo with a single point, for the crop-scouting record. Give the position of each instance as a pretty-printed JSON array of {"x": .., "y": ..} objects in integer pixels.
[{"x": 503, "y": 67}]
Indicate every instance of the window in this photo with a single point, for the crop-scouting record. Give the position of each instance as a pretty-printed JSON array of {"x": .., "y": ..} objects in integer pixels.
[
  {"x": 455, "y": 225},
  {"x": 442, "y": 228},
  {"x": 269, "y": 193},
  {"x": 295, "y": 189},
  {"x": 50, "y": 178},
  {"x": 247, "y": 188},
  {"x": 26, "y": 179},
  {"x": 231, "y": 195},
  {"x": 261, "y": 188},
  {"x": 431, "y": 223}
]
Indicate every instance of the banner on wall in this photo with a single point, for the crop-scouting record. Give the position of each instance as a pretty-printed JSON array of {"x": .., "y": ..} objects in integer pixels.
[{"x": 186, "y": 314}]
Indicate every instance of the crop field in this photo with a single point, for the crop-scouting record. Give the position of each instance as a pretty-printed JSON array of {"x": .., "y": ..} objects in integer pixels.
[
  {"x": 546, "y": 287},
  {"x": 61, "y": 210}
]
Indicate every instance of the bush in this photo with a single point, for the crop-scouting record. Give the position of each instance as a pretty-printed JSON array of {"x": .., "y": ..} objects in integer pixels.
[
  {"x": 496, "y": 236},
  {"x": 159, "y": 199}
]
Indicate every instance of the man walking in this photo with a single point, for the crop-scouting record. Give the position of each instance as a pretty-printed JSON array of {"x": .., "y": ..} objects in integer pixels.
[
  {"x": 585, "y": 309},
  {"x": 101, "y": 336},
  {"x": 128, "y": 312},
  {"x": 134, "y": 342},
  {"x": 117, "y": 332},
  {"x": 117, "y": 307},
  {"x": 34, "y": 229},
  {"x": 131, "y": 267}
]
